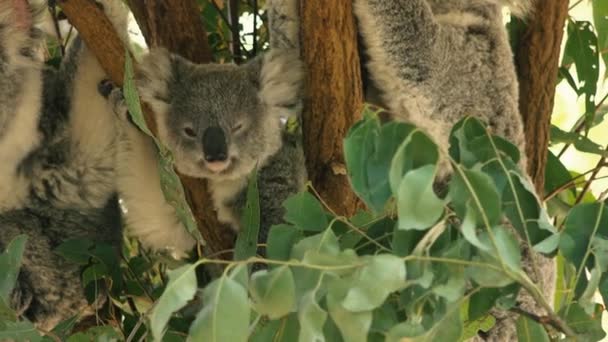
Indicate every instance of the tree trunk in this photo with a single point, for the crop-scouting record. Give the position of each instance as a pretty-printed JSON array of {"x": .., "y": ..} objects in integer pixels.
[
  {"x": 537, "y": 59},
  {"x": 178, "y": 26},
  {"x": 175, "y": 25},
  {"x": 335, "y": 97}
]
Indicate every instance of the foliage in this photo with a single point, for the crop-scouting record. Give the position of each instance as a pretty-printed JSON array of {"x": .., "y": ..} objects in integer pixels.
[{"x": 392, "y": 273}]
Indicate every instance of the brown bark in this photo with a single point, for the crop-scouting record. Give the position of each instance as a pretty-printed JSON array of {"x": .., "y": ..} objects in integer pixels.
[
  {"x": 97, "y": 32},
  {"x": 335, "y": 97},
  {"x": 174, "y": 24},
  {"x": 537, "y": 60}
]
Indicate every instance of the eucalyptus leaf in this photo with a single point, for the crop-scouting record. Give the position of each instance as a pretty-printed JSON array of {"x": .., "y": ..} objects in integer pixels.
[
  {"x": 312, "y": 319},
  {"x": 10, "y": 264},
  {"x": 305, "y": 212},
  {"x": 584, "y": 222},
  {"x": 354, "y": 326},
  {"x": 19, "y": 331},
  {"x": 273, "y": 293},
  {"x": 600, "y": 20},
  {"x": 281, "y": 239},
  {"x": 365, "y": 294},
  {"x": 582, "y": 48},
  {"x": 247, "y": 239},
  {"x": 417, "y": 204},
  {"x": 225, "y": 314},
  {"x": 179, "y": 291},
  {"x": 530, "y": 331}
]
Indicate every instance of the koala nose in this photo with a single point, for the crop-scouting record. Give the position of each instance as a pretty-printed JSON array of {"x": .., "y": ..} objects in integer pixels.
[{"x": 214, "y": 144}]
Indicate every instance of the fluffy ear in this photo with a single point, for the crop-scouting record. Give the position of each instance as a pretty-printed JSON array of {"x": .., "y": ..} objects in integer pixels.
[
  {"x": 153, "y": 77},
  {"x": 19, "y": 38},
  {"x": 281, "y": 82}
]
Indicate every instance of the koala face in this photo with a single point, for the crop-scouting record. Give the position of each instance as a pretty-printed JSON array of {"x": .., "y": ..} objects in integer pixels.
[{"x": 220, "y": 121}]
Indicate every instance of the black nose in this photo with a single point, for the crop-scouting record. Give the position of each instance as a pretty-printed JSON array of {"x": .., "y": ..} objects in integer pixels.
[{"x": 214, "y": 144}]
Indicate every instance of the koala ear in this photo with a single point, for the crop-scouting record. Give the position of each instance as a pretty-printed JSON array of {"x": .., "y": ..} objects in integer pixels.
[
  {"x": 281, "y": 80},
  {"x": 20, "y": 38},
  {"x": 152, "y": 78}
]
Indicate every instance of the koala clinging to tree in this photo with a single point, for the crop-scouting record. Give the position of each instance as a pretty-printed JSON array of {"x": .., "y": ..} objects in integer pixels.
[
  {"x": 58, "y": 146},
  {"x": 433, "y": 62},
  {"x": 222, "y": 120}
]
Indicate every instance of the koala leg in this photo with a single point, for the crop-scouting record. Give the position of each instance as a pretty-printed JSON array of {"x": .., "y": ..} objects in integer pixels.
[{"x": 149, "y": 217}]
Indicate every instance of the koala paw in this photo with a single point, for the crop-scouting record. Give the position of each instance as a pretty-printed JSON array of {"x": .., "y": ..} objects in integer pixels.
[
  {"x": 119, "y": 106},
  {"x": 105, "y": 87}
]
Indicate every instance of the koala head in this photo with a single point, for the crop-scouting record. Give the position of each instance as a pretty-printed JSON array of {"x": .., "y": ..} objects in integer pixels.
[{"x": 220, "y": 120}]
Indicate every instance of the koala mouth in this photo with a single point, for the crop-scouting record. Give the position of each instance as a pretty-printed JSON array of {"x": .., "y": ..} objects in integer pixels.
[{"x": 218, "y": 166}]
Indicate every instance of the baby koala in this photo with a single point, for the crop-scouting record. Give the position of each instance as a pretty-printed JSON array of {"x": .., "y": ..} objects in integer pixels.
[{"x": 220, "y": 122}]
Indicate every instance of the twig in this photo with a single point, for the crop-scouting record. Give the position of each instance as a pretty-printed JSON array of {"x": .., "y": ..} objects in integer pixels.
[{"x": 539, "y": 319}]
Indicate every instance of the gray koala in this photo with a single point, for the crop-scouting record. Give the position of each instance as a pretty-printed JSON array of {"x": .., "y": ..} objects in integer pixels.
[
  {"x": 58, "y": 145},
  {"x": 222, "y": 120},
  {"x": 433, "y": 62}
]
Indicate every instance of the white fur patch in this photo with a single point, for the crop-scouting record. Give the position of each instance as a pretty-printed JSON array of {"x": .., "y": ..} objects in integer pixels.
[
  {"x": 20, "y": 138},
  {"x": 149, "y": 217},
  {"x": 223, "y": 192},
  {"x": 460, "y": 19}
]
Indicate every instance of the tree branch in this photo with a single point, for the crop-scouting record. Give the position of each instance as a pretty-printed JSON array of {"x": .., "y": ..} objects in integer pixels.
[
  {"x": 335, "y": 97},
  {"x": 97, "y": 32},
  {"x": 537, "y": 59}
]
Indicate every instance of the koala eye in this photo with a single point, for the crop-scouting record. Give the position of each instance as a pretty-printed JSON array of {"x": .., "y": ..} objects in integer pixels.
[
  {"x": 238, "y": 127},
  {"x": 189, "y": 132}
]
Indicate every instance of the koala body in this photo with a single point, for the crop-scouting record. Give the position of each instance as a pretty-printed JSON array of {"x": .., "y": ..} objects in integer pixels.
[
  {"x": 433, "y": 62},
  {"x": 222, "y": 120},
  {"x": 58, "y": 145}
]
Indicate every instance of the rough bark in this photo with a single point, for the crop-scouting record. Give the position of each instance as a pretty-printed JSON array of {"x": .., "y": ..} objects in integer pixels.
[
  {"x": 174, "y": 24},
  {"x": 97, "y": 32},
  {"x": 335, "y": 97},
  {"x": 537, "y": 59}
]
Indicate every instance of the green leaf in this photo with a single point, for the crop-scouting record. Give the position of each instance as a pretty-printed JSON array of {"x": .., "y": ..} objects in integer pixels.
[
  {"x": 273, "y": 293},
  {"x": 588, "y": 327},
  {"x": 417, "y": 204},
  {"x": 286, "y": 329},
  {"x": 585, "y": 222},
  {"x": 504, "y": 260},
  {"x": 281, "y": 239},
  {"x": 416, "y": 151},
  {"x": 448, "y": 328},
  {"x": 76, "y": 250},
  {"x": 325, "y": 242},
  {"x": 530, "y": 331},
  {"x": 580, "y": 142},
  {"x": 305, "y": 212},
  {"x": 556, "y": 174},
  {"x": 522, "y": 208},
  {"x": 225, "y": 314},
  {"x": 368, "y": 150},
  {"x": 312, "y": 318},
  {"x": 600, "y": 19},
  {"x": 10, "y": 263},
  {"x": 474, "y": 190},
  {"x": 582, "y": 48},
  {"x": 353, "y": 326},
  {"x": 365, "y": 294},
  {"x": 100, "y": 333},
  {"x": 19, "y": 331},
  {"x": 247, "y": 240},
  {"x": 179, "y": 291}
]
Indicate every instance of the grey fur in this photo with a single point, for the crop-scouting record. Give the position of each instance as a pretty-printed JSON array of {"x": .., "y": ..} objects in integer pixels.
[
  {"x": 434, "y": 62},
  {"x": 248, "y": 102},
  {"x": 58, "y": 175}
]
